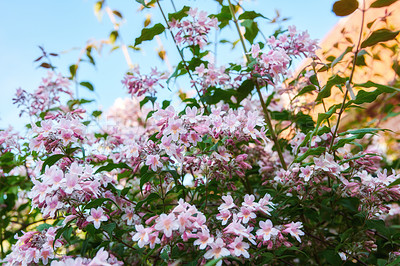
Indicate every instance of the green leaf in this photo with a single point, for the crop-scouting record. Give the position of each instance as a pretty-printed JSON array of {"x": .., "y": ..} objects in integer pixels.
[
  {"x": 362, "y": 131},
  {"x": 381, "y": 35},
  {"x": 97, "y": 202},
  {"x": 72, "y": 70},
  {"x": 326, "y": 91},
  {"x": 224, "y": 16},
  {"x": 113, "y": 36},
  {"x": 378, "y": 225},
  {"x": 395, "y": 183},
  {"x": 87, "y": 84},
  {"x": 306, "y": 89},
  {"x": 244, "y": 90},
  {"x": 349, "y": 203},
  {"x": 180, "y": 14},
  {"x": 165, "y": 253},
  {"x": 251, "y": 29},
  {"x": 165, "y": 104},
  {"x": 142, "y": 2},
  {"x": 394, "y": 263},
  {"x": 150, "y": 198},
  {"x": 344, "y": 7},
  {"x": 332, "y": 257},
  {"x": 382, "y": 3},
  {"x": 149, "y": 33},
  {"x": 304, "y": 122},
  {"x": 370, "y": 96},
  {"x": 215, "y": 95},
  {"x": 97, "y": 113},
  {"x": 214, "y": 261},
  {"x": 51, "y": 160},
  {"x": 250, "y": 15},
  {"x": 145, "y": 178},
  {"x": 42, "y": 227},
  {"x": 67, "y": 233},
  {"x": 109, "y": 228},
  {"x": 312, "y": 151},
  {"x": 147, "y": 99},
  {"x": 112, "y": 166},
  {"x": 339, "y": 58}
]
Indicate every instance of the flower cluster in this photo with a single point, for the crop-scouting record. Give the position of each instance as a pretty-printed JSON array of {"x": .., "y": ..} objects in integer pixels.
[
  {"x": 194, "y": 31},
  {"x": 373, "y": 192},
  {"x": 186, "y": 222},
  {"x": 275, "y": 63},
  {"x": 34, "y": 246},
  {"x": 139, "y": 84},
  {"x": 212, "y": 76},
  {"x": 9, "y": 140},
  {"x": 56, "y": 132},
  {"x": 45, "y": 97},
  {"x": 102, "y": 258},
  {"x": 56, "y": 190}
]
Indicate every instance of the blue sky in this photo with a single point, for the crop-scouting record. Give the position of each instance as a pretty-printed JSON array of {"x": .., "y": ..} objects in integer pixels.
[{"x": 65, "y": 26}]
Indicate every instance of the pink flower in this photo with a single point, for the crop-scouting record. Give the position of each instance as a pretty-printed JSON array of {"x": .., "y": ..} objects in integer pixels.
[
  {"x": 255, "y": 50},
  {"x": 167, "y": 224},
  {"x": 71, "y": 183},
  {"x": 239, "y": 247},
  {"x": 224, "y": 216},
  {"x": 97, "y": 216},
  {"x": 249, "y": 202},
  {"x": 53, "y": 205},
  {"x": 204, "y": 238},
  {"x": 130, "y": 217},
  {"x": 154, "y": 162},
  {"x": 246, "y": 214},
  {"x": 154, "y": 239},
  {"x": 265, "y": 205},
  {"x": 46, "y": 254},
  {"x": 228, "y": 203},
  {"x": 293, "y": 230},
  {"x": 184, "y": 221},
  {"x": 200, "y": 70},
  {"x": 306, "y": 173},
  {"x": 175, "y": 128},
  {"x": 266, "y": 230},
  {"x": 217, "y": 250},
  {"x": 142, "y": 235}
]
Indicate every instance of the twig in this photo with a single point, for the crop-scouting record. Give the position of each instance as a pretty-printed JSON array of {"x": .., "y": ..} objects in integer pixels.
[
  {"x": 181, "y": 54},
  {"x": 264, "y": 107},
  {"x": 350, "y": 79}
]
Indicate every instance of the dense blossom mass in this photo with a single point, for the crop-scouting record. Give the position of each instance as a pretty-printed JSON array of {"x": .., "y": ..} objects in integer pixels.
[{"x": 232, "y": 174}]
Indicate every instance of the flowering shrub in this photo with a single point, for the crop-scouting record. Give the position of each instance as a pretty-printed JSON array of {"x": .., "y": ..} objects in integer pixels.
[{"x": 240, "y": 173}]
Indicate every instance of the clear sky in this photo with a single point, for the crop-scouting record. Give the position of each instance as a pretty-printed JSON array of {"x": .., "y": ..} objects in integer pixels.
[{"x": 64, "y": 26}]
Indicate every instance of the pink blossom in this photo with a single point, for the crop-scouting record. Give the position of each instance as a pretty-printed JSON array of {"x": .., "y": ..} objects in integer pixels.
[
  {"x": 217, "y": 250},
  {"x": 306, "y": 173},
  {"x": 224, "y": 216},
  {"x": 153, "y": 161},
  {"x": 246, "y": 214},
  {"x": 228, "y": 203},
  {"x": 167, "y": 224},
  {"x": 266, "y": 230},
  {"x": 71, "y": 183},
  {"x": 142, "y": 235},
  {"x": 204, "y": 238},
  {"x": 97, "y": 216},
  {"x": 294, "y": 230},
  {"x": 239, "y": 248}
]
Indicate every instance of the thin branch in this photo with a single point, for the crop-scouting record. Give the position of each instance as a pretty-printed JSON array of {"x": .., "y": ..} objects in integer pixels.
[
  {"x": 181, "y": 54},
  {"x": 350, "y": 79},
  {"x": 264, "y": 107}
]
